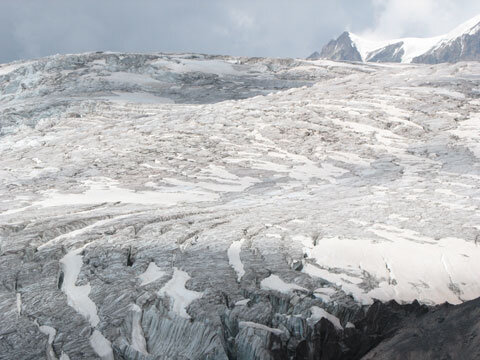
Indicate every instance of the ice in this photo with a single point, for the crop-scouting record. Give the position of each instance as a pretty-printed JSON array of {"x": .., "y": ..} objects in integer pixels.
[
  {"x": 152, "y": 274},
  {"x": 8, "y": 68},
  {"x": 180, "y": 296},
  {"x": 468, "y": 131},
  {"x": 101, "y": 346},
  {"x": 369, "y": 179},
  {"x": 83, "y": 230},
  {"x": 234, "y": 258},
  {"x": 275, "y": 283},
  {"x": 204, "y": 66}
]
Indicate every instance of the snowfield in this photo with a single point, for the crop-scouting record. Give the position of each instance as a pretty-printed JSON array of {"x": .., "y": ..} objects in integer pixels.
[{"x": 326, "y": 185}]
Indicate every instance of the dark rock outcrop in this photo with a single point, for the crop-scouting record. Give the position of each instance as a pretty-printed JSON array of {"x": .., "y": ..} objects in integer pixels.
[
  {"x": 464, "y": 48},
  {"x": 387, "y": 331},
  {"x": 445, "y": 332},
  {"x": 462, "y": 44},
  {"x": 390, "y": 53},
  {"x": 341, "y": 49},
  {"x": 314, "y": 56}
]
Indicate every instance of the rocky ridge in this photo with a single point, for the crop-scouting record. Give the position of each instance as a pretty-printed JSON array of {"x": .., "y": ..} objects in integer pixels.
[{"x": 461, "y": 44}]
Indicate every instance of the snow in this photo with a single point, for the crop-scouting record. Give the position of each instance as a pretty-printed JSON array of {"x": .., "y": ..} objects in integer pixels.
[
  {"x": 234, "y": 258},
  {"x": 64, "y": 356},
  {"x": 469, "y": 27},
  {"x": 101, "y": 346},
  {"x": 137, "y": 97},
  {"x": 49, "y": 331},
  {"x": 243, "y": 302},
  {"x": 138, "y": 338},
  {"x": 348, "y": 284},
  {"x": 77, "y": 296},
  {"x": 275, "y": 283},
  {"x": 152, "y": 274},
  {"x": 180, "y": 296},
  {"x": 105, "y": 190},
  {"x": 432, "y": 266},
  {"x": 249, "y": 324},
  {"x": 8, "y": 68},
  {"x": 349, "y": 158},
  {"x": 19, "y": 303},
  {"x": 324, "y": 294},
  {"x": 319, "y": 313},
  {"x": 413, "y": 47},
  {"x": 83, "y": 230}
]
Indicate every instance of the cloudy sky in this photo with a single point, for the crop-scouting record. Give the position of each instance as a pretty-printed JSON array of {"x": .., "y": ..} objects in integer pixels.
[{"x": 279, "y": 28}]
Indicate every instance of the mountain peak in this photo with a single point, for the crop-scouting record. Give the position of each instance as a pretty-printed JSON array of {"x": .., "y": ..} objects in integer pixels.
[
  {"x": 341, "y": 49},
  {"x": 460, "y": 44}
]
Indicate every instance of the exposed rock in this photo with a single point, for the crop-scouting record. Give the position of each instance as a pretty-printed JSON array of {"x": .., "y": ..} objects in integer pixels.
[
  {"x": 341, "y": 49},
  {"x": 461, "y": 44},
  {"x": 463, "y": 48},
  {"x": 390, "y": 53}
]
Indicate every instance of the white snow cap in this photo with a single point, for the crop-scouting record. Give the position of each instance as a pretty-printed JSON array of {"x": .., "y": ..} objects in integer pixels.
[{"x": 414, "y": 47}]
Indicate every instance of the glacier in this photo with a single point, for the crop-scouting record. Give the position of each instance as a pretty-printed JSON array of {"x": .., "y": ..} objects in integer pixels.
[{"x": 186, "y": 206}]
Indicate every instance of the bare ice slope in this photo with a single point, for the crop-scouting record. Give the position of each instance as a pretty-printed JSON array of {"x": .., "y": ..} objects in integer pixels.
[{"x": 222, "y": 199}]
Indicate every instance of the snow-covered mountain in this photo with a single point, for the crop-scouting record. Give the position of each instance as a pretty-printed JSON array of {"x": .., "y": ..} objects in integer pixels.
[
  {"x": 181, "y": 206},
  {"x": 460, "y": 44}
]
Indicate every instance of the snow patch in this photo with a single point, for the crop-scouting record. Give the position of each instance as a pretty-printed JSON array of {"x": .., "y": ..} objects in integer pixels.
[
  {"x": 138, "y": 337},
  {"x": 101, "y": 346},
  {"x": 152, "y": 274},
  {"x": 180, "y": 296},
  {"x": 275, "y": 283},
  {"x": 77, "y": 296},
  {"x": 106, "y": 190},
  {"x": 243, "y": 302},
  {"x": 234, "y": 258},
  {"x": 319, "y": 313},
  {"x": 49, "y": 331},
  {"x": 244, "y": 324},
  {"x": 424, "y": 276}
]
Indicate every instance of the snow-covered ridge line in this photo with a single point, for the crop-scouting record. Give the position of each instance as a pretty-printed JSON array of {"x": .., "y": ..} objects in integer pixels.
[{"x": 412, "y": 46}]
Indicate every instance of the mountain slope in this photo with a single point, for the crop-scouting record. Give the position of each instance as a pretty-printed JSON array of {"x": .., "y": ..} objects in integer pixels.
[
  {"x": 462, "y": 43},
  {"x": 185, "y": 206}
]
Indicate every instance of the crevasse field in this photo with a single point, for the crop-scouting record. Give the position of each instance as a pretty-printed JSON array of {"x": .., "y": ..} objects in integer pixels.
[{"x": 176, "y": 206}]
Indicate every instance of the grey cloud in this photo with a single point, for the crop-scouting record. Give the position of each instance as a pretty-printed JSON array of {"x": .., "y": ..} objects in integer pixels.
[{"x": 279, "y": 28}]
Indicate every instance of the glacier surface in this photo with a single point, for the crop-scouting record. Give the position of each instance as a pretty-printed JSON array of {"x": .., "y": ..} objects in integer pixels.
[{"x": 181, "y": 206}]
